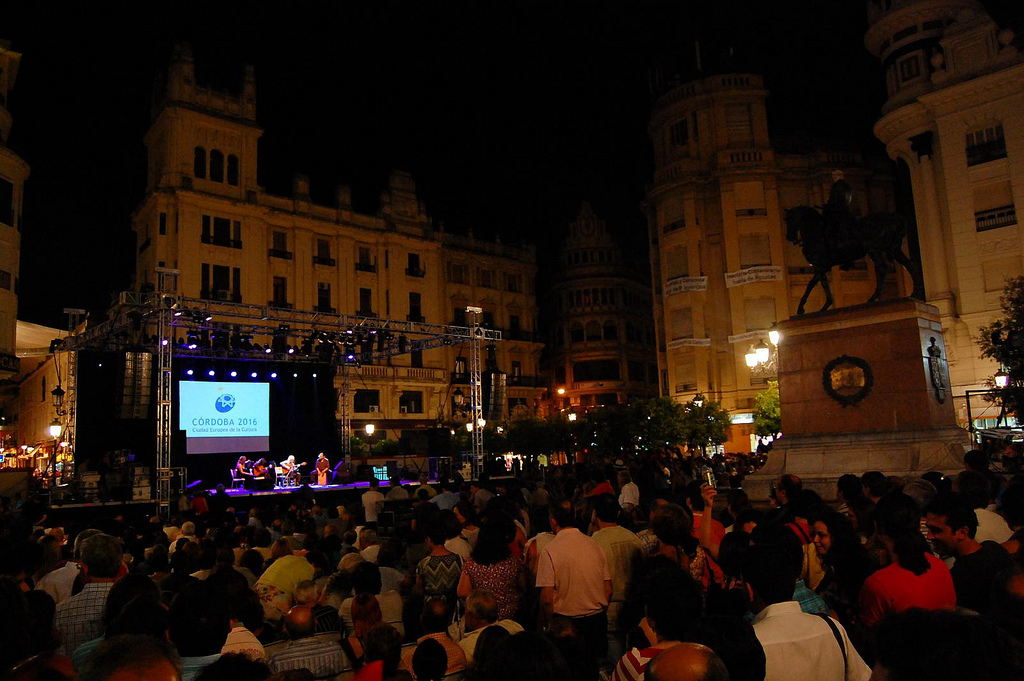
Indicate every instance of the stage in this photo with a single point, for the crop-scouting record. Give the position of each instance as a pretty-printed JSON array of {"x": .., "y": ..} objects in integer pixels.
[{"x": 289, "y": 489}]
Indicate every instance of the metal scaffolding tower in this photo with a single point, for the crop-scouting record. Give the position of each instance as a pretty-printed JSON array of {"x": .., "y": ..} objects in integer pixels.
[{"x": 476, "y": 397}]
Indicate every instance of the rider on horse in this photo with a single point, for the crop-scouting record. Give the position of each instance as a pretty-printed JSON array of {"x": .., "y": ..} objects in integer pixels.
[{"x": 840, "y": 220}]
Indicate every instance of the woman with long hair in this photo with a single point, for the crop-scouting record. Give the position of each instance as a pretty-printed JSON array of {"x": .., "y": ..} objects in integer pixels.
[
  {"x": 437, "y": 575},
  {"x": 914, "y": 578},
  {"x": 466, "y": 514},
  {"x": 845, "y": 560},
  {"x": 366, "y": 615},
  {"x": 493, "y": 567}
]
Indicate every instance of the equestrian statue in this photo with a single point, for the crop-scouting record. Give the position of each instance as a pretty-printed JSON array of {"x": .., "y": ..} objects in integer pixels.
[{"x": 836, "y": 237}]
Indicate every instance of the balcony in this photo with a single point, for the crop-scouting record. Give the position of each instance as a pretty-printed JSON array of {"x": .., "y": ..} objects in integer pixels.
[
  {"x": 280, "y": 304},
  {"x": 414, "y": 318},
  {"x": 365, "y": 267},
  {"x": 217, "y": 241},
  {"x": 326, "y": 309},
  {"x": 220, "y": 294},
  {"x": 415, "y": 272},
  {"x": 461, "y": 377},
  {"x": 278, "y": 253},
  {"x": 324, "y": 260},
  {"x": 995, "y": 218}
]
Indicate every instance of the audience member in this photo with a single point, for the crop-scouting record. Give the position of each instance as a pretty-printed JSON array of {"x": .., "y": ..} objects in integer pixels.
[
  {"x": 199, "y": 627},
  {"x": 80, "y": 617},
  {"x": 492, "y": 566},
  {"x": 688, "y": 662},
  {"x": 128, "y": 657},
  {"x": 435, "y": 619},
  {"x": 574, "y": 579},
  {"x": 482, "y": 612},
  {"x": 978, "y": 492},
  {"x": 322, "y": 656},
  {"x": 952, "y": 527}
]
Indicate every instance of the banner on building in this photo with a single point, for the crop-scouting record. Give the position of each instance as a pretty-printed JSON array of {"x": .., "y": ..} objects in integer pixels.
[
  {"x": 689, "y": 343},
  {"x": 684, "y": 284},
  {"x": 750, "y": 275},
  {"x": 748, "y": 336}
]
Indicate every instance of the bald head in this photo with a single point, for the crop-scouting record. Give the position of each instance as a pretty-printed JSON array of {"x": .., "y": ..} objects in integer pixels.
[
  {"x": 299, "y": 622},
  {"x": 687, "y": 662}
]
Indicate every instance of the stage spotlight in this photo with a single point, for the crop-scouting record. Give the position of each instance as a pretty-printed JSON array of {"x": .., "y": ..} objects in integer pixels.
[
  {"x": 314, "y": 375},
  {"x": 211, "y": 372},
  {"x": 268, "y": 351},
  {"x": 164, "y": 342},
  {"x": 273, "y": 374},
  {"x": 234, "y": 374},
  {"x": 189, "y": 372},
  {"x": 295, "y": 375},
  {"x": 253, "y": 374},
  {"x": 291, "y": 350}
]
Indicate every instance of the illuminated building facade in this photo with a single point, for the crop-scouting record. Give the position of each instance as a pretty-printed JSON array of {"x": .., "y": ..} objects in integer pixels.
[
  {"x": 600, "y": 347},
  {"x": 954, "y": 121},
  {"x": 205, "y": 215},
  {"x": 13, "y": 173},
  {"x": 723, "y": 272}
]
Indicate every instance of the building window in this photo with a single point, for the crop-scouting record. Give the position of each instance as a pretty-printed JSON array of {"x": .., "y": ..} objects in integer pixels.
[
  {"x": 279, "y": 245},
  {"x": 611, "y": 331},
  {"x": 755, "y": 250},
  {"x": 199, "y": 163},
  {"x": 487, "y": 319},
  {"x": 596, "y": 370},
  {"x": 364, "y": 262},
  {"x": 985, "y": 145},
  {"x": 323, "y": 297},
  {"x": 411, "y": 402},
  {"x": 995, "y": 218},
  {"x": 233, "y": 170},
  {"x": 415, "y": 307},
  {"x": 216, "y": 165},
  {"x": 365, "y": 302},
  {"x": 759, "y": 313},
  {"x": 366, "y": 401},
  {"x": 909, "y": 68},
  {"x": 677, "y": 262},
  {"x": 5, "y": 280},
  {"x": 593, "y": 331},
  {"x": 680, "y": 133},
  {"x": 682, "y": 323},
  {"x": 323, "y": 248},
  {"x": 485, "y": 278},
  {"x": 458, "y": 273},
  {"x": 163, "y": 224},
  {"x": 514, "y": 327},
  {"x": 459, "y": 316},
  {"x": 222, "y": 231},
  {"x": 576, "y": 332},
  {"x": 416, "y": 359},
  {"x": 280, "y": 292},
  {"x": 516, "y": 373},
  {"x": 512, "y": 283},
  {"x": 413, "y": 266}
]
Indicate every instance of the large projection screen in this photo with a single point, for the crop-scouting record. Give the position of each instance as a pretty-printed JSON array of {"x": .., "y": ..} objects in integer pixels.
[{"x": 224, "y": 417}]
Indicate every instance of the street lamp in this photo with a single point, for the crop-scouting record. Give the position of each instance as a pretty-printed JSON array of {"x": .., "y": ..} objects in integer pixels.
[
  {"x": 369, "y": 428},
  {"x": 698, "y": 400},
  {"x": 1001, "y": 379},
  {"x": 572, "y": 416},
  {"x": 560, "y": 391},
  {"x": 57, "y": 395},
  {"x": 55, "y": 430}
]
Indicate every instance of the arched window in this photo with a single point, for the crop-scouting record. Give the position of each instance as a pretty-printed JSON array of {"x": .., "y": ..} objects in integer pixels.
[
  {"x": 611, "y": 331},
  {"x": 576, "y": 333},
  {"x": 593, "y": 330},
  {"x": 216, "y": 166},
  {"x": 233, "y": 170},
  {"x": 199, "y": 163}
]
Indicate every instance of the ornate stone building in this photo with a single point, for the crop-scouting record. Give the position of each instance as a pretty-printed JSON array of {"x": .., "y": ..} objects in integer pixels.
[
  {"x": 723, "y": 272},
  {"x": 205, "y": 215},
  {"x": 13, "y": 173},
  {"x": 600, "y": 347},
  {"x": 954, "y": 121}
]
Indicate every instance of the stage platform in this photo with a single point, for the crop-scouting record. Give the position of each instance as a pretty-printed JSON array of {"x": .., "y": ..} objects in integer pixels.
[{"x": 241, "y": 492}]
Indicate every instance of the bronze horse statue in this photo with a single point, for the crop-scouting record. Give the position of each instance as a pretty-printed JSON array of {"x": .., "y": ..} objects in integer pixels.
[{"x": 878, "y": 236}]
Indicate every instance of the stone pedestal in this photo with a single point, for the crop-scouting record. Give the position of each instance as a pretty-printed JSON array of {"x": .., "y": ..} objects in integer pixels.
[{"x": 863, "y": 388}]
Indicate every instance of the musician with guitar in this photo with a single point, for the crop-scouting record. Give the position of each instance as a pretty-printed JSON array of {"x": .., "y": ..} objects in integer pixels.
[{"x": 291, "y": 470}]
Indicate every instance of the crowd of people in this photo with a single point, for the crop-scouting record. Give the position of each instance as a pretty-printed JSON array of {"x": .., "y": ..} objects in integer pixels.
[{"x": 592, "y": 573}]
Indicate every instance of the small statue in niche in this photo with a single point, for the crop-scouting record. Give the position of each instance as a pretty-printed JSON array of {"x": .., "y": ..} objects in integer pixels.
[{"x": 935, "y": 370}]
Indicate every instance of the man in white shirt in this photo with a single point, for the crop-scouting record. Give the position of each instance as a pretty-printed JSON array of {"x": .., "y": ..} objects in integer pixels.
[
  {"x": 373, "y": 501},
  {"x": 978, "y": 491},
  {"x": 573, "y": 576},
  {"x": 797, "y": 646},
  {"x": 623, "y": 550},
  {"x": 629, "y": 493}
]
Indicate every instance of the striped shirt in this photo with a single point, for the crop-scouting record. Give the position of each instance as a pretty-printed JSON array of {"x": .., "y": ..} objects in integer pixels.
[
  {"x": 319, "y": 656},
  {"x": 633, "y": 664}
]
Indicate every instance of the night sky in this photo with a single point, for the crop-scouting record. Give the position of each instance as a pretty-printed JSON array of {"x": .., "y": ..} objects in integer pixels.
[{"x": 508, "y": 118}]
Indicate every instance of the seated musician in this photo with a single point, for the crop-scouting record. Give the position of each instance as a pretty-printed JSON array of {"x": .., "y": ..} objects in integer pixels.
[
  {"x": 323, "y": 467},
  {"x": 259, "y": 473},
  {"x": 291, "y": 470}
]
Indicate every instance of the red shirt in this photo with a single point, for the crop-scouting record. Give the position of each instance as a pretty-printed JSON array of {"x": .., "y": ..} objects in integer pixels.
[{"x": 895, "y": 589}]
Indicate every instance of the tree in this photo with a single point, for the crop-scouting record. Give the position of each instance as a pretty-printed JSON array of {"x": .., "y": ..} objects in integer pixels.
[
  {"x": 704, "y": 424},
  {"x": 1003, "y": 341},
  {"x": 657, "y": 423},
  {"x": 767, "y": 411}
]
